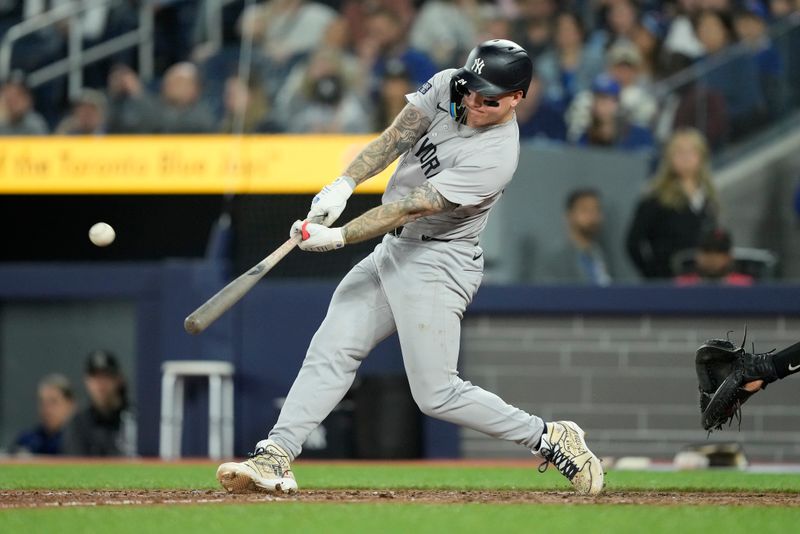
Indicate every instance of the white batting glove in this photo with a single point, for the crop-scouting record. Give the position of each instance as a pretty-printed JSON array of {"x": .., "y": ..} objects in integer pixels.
[
  {"x": 316, "y": 237},
  {"x": 329, "y": 203}
]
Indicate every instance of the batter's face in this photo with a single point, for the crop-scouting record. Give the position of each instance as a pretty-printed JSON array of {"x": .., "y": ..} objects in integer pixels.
[{"x": 490, "y": 110}]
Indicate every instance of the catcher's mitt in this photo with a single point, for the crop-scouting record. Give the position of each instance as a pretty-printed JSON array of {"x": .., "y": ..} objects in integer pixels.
[{"x": 722, "y": 370}]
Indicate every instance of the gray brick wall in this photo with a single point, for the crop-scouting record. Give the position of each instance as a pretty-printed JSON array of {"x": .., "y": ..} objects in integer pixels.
[{"x": 628, "y": 381}]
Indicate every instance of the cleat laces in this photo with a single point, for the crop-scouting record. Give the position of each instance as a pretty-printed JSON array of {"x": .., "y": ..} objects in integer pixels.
[
  {"x": 563, "y": 462},
  {"x": 269, "y": 460}
]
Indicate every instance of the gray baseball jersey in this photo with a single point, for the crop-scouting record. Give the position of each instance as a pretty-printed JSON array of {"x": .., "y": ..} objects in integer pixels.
[
  {"x": 468, "y": 166},
  {"x": 418, "y": 287}
]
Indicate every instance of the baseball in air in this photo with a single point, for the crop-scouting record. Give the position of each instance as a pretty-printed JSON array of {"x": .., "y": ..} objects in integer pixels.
[{"x": 102, "y": 234}]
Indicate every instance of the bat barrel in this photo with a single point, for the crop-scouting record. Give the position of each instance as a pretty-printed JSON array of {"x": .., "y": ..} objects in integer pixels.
[{"x": 213, "y": 308}]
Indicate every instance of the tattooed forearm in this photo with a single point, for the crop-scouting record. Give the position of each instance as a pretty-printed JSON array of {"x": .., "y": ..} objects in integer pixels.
[
  {"x": 404, "y": 132},
  {"x": 422, "y": 201},
  {"x": 427, "y": 198},
  {"x": 375, "y": 222}
]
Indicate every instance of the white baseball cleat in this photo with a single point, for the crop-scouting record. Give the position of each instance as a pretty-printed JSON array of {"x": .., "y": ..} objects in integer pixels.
[
  {"x": 267, "y": 470},
  {"x": 564, "y": 447}
]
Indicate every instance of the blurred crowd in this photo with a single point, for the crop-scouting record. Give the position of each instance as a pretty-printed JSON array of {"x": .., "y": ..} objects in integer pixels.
[
  {"x": 674, "y": 234},
  {"x": 105, "y": 426},
  {"x": 345, "y": 65},
  {"x": 677, "y": 78}
]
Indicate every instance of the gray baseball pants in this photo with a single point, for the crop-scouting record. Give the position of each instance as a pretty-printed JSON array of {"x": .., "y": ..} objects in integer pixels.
[{"x": 419, "y": 289}]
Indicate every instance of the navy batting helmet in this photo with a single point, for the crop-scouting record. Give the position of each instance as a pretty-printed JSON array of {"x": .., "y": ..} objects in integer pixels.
[{"x": 497, "y": 67}]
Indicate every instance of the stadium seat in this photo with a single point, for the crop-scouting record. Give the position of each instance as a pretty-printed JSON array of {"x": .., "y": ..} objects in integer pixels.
[{"x": 220, "y": 406}]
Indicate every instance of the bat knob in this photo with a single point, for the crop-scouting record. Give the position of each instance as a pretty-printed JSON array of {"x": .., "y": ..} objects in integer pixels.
[{"x": 192, "y": 325}]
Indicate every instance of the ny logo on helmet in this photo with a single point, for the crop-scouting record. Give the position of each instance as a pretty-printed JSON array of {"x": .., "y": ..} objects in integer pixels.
[{"x": 478, "y": 65}]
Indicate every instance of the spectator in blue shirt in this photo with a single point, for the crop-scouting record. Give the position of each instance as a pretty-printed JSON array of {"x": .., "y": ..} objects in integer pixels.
[
  {"x": 622, "y": 20},
  {"x": 569, "y": 66},
  {"x": 607, "y": 126},
  {"x": 539, "y": 117},
  {"x": 385, "y": 49},
  {"x": 751, "y": 27},
  {"x": 637, "y": 105},
  {"x": 56, "y": 405},
  {"x": 736, "y": 77},
  {"x": 785, "y": 15}
]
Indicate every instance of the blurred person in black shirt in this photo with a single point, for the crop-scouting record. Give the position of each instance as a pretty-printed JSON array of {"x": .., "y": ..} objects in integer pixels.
[
  {"x": 131, "y": 108},
  {"x": 106, "y": 427},
  {"x": 679, "y": 205}
]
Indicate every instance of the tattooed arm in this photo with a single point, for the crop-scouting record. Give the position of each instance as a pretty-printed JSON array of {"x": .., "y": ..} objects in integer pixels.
[
  {"x": 405, "y": 131},
  {"x": 423, "y": 200}
]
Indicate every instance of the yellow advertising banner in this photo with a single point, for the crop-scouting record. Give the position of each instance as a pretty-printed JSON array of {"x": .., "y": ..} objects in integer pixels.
[{"x": 178, "y": 164}]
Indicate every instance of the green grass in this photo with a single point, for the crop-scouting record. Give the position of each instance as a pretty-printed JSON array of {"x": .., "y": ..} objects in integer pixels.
[
  {"x": 351, "y": 518},
  {"x": 392, "y": 516},
  {"x": 401, "y": 476}
]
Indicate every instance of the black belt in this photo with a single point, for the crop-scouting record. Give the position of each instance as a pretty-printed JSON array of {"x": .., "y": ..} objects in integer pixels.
[{"x": 397, "y": 231}]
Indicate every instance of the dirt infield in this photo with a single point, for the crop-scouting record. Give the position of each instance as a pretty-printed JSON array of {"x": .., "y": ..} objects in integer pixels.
[{"x": 70, "y": 498}]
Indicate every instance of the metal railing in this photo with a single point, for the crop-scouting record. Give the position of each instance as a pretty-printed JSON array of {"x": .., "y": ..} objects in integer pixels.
[
  {"x": 77, "y": 57},
  {"x": 695, "y": 87},
  {"x": 212, "y": 21}
]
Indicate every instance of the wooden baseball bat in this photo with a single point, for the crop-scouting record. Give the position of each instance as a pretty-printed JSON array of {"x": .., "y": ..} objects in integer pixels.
[{"x": 213, "y": 308}]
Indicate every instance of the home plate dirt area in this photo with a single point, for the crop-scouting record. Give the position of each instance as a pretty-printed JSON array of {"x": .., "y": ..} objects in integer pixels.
[{"x": 65, "y": 498}]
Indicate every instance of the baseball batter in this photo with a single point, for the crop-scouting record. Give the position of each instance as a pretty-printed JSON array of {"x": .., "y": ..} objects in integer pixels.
[{"x": 458, "y": 144}]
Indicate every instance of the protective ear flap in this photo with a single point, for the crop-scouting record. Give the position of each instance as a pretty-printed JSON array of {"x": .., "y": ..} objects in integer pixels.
[{"x": 458, "y": 90}]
